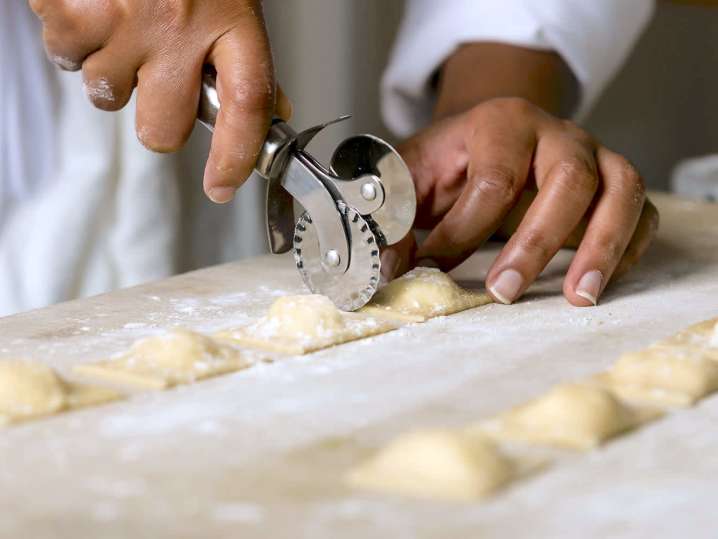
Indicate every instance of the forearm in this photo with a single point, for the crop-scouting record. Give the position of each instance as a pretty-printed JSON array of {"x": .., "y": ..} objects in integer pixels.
[{"x": 477, "y": 72}]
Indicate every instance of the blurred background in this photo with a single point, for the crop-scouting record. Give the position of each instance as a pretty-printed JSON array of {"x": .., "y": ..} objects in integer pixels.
[
  {"x": 661, "y": 108},
  {"x": 127, "y": 227}
]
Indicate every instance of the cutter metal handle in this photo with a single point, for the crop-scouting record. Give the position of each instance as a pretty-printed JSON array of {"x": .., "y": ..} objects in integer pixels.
[{"x": 365, "y": 175}]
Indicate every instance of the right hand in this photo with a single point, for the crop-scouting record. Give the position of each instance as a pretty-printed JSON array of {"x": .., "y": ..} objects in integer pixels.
[{"x": 161, "y": 47}]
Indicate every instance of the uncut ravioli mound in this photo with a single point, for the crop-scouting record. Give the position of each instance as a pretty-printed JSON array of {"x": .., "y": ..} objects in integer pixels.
[
  {"x": 306, "y": 323},
  {"x": 424, "y": 293},
  {"x": 673, "y": 375},
  {"x": 700, "y": 339},
  {"x": 313, "y": 316},
  {"x": 571, "y": 416},
  {"x": 30, "y": 390},
  {"x": 436, "y": 464},
  {"x": 180, "y": 357}
]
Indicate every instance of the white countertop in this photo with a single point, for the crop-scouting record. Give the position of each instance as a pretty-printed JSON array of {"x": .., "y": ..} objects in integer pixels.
[{"x": 260, "y": 453}]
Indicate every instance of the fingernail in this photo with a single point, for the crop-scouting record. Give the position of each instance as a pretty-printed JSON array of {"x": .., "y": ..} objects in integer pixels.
[
  {"x": 427, "y": 263},
  {"x": 589, "y": 287},
  {"x": 221, "y": 195},
  {"x": 507, "y": 286},
  {"x": 389, "y": 264}
]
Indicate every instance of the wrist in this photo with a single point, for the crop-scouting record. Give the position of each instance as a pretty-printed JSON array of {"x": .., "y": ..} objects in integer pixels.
[{"x": 477, "y": 72}]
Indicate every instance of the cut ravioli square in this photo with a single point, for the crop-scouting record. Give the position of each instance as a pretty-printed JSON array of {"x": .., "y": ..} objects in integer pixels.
[
  {"x": 437, "y": 464},
  {"x": 306, "y": 323},
  {"x": 570, "y": 416},
  {"x": 30, "y": 390},
  {"x": 423, "y": 293},
  {"x": 161, "y": 362}
]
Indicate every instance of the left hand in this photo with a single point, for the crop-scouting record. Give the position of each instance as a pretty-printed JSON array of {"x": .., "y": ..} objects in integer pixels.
[{"x": 472, "y": 170}]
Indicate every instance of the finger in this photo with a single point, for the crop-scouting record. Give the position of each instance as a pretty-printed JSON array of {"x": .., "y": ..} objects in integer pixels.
[
  {"x": 499, "y": 163},
  {"x": 567, "y": 183},
  {"x": 167, "y": 101},
  {"x": 284, "y": 108},
  {"x": 72, "y": 30},
  {"x": 641, "y": 240},
  {"x": 437, "y": 159},
  {"x": 609, "y": 230},
  {"x": 245, "y": 85},
  {"x": 109, "y": 78},
  {"x": 399, "y": 258}
]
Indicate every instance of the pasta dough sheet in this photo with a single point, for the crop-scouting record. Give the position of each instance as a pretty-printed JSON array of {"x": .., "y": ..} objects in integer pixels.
[
  {"x": 180, "y": 357},
  {"x": 440, "y": 464},
  {"x": 304, "y": 324},
  {"x": 31, "y": 390},
  {"x": 570, "y": 416},
  {"x": 421, "y": 294}
]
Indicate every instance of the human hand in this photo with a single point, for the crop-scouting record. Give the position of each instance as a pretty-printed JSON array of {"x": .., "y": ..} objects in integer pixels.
[
  {"x": 474, "y": 169},
  {"x": 160, "y": 47}
]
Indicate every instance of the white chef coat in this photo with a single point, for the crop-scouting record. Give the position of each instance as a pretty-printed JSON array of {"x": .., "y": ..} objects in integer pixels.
[
  {"x": 592, "y": 36},
  {"x": 84, "y": 208}
]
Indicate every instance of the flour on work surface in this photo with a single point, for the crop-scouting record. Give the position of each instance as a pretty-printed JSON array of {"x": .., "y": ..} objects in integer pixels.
[
  {"x": 306, "y": 323},
  {"x": 423, "y": 293}
]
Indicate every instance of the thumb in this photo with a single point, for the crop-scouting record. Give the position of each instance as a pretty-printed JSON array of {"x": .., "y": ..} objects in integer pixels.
[
  {"x": 437, "y": 159},
  {"x": 399, "y": 258},
  {"x": 283, "y": 108}
]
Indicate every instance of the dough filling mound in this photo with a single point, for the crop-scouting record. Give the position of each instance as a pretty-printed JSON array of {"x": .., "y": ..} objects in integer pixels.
[
  {"x": 180, "y": 357},
  {"x": 306, "y": 323},
  {"x": 668, "y": 369},
  {"x": 311, "y": 315},
  {"x": 573, "y": 416},
  {"x": 29, "y": 390},
  {"x": 436, "y": 464},
  {"x": 181, "y": 354},
  {"x": 424, "y": 293}
]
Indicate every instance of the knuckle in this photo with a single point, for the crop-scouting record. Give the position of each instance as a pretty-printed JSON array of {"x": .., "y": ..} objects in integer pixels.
[
  {"x": 65, "y": 63},
  {"x": 39, "y": 7},
  {"x": 235, "y": 164},
  {"x": 504, "y": 107},
  {"x": 628, "y": 182},
  {"x": 610, "y": 248},
  {"x": 254, "y": 95},
  {"x": 575, "y": 175},
  {"x": 628, "y": 173},
  {"x": 496, "y": 183},
  {"x": 102, "y": 94},
  {"x": 515, "y": 105},
  {"x": 160, "y": 140},
  {"x": 62, "y": 56},
  {"x": 536, "y": 244},
  {"x": 578, "y": 134}
]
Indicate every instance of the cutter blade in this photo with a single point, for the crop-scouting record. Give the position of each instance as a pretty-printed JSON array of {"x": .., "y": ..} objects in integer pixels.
[{"x": 352, "y": 289}]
